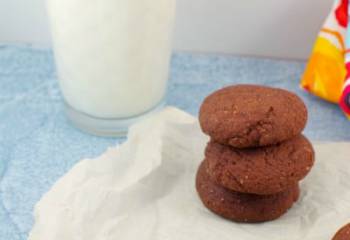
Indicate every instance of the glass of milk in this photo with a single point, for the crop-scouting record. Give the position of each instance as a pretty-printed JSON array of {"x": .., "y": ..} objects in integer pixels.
[{"x": 112, "y": 58}]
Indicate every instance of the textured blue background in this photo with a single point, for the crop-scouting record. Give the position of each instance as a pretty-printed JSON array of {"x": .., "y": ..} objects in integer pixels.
[{"x": 37, "y": 145}]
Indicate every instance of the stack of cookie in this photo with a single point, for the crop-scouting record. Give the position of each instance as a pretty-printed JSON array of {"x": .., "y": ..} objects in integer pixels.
[{"x": 257, "y": 154}]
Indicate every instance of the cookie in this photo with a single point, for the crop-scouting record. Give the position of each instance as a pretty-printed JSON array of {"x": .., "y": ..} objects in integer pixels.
[
  {"x": 250, "y": 116},
  {"x": 343, "y": 233},
  {"x": 263, "y": 170},
  {"x": 242, "y": 207}
]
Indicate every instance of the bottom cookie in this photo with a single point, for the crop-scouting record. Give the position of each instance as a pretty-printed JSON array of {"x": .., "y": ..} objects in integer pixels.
[
  {"x": 243, "y": 207},
  {"x": 343, "y": 233}
]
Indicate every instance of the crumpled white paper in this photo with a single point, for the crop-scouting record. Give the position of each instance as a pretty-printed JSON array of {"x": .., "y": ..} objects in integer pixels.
[{"x": 145, "y": 189}]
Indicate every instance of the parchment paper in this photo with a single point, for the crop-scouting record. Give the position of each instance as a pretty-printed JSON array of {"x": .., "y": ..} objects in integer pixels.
[{"x": 144, "y": 189}]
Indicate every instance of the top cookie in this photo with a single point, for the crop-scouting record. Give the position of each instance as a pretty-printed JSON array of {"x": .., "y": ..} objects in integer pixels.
[{"x": 250, "y": 116}]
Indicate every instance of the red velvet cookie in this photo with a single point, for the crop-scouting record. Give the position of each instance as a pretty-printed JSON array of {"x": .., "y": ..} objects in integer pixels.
[
  {"x": 249, "y": 116},
  {"x": 242, "y": 207},
  {"x": 264, "y": 170},
  {"x": 343, "y": 233}
]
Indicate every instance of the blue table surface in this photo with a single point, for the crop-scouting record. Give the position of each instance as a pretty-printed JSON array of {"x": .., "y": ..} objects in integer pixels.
[{"x": 38, "y": 145}]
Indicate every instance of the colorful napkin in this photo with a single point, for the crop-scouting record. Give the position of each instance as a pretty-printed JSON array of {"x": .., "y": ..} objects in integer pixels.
[{"x": 327, "y": 74}]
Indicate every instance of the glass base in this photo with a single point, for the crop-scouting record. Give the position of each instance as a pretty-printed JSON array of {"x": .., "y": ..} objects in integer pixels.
[{"x": 106, "y": 127}]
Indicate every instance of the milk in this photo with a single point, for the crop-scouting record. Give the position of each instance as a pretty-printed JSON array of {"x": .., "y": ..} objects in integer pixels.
[{"x": 112, "y": 56}]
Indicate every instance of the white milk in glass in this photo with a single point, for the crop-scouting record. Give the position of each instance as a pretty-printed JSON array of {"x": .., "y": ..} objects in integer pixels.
[{"x": 112, "y": 58}]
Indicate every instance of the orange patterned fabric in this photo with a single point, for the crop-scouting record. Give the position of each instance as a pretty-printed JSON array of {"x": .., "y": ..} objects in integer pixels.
[{"x": 327, "y": 73}]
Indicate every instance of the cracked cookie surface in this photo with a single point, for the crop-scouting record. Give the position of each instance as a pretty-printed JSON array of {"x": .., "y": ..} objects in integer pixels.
[
  {"x": 263, "y": 170},
  {"x": 249, "y": 116},
  {"x": 242, "y": 207}
]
